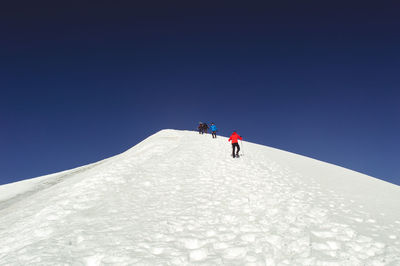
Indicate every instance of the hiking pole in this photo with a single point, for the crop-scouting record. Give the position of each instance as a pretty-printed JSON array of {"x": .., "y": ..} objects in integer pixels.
[{"x": 241, "y": 143}]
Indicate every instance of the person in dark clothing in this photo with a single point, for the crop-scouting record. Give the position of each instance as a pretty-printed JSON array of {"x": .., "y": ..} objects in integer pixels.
[
  {"x": 205, "y": 128},
  {"x": 234, "y": 138},
  {"x": 200, "y": 128}
]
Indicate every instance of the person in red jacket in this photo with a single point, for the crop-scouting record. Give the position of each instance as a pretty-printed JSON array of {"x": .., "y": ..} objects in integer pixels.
[{"x": 234, "y": 138}]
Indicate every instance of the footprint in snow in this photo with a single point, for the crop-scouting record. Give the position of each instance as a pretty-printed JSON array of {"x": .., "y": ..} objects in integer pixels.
[
  {"x": 198, "y": 254},
  {"x": 234, "y": 253}
]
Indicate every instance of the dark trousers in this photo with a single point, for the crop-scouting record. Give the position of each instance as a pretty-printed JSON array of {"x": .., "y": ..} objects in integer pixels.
[
  {"x": 233, "y": 149},
  {"x": 214, "y": 134}
]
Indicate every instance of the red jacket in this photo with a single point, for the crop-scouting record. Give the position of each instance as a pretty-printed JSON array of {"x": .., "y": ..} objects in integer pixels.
[{"x": 234, "y": 137}]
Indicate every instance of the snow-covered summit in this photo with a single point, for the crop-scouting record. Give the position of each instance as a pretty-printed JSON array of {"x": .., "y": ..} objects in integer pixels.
[{"x": 178, "y": 198}]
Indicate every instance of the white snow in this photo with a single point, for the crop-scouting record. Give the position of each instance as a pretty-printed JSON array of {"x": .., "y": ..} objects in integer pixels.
[{"x": 178, "y": 198}]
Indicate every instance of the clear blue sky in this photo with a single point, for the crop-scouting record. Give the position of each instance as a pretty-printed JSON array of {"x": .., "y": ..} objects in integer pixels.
[{"x": 83, "y": 82}]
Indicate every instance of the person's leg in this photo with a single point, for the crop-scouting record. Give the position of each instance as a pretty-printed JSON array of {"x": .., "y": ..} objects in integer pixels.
[
  {"x": 238, "y": 149},
  {"x": 233, "y": 150}
]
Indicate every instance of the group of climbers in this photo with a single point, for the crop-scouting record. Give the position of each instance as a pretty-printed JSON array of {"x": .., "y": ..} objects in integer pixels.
[{"x": 203, "y": 128}]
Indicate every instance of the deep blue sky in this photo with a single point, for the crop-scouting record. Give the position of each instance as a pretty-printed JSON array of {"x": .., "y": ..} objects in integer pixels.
[{"x": 83, "y": 82}]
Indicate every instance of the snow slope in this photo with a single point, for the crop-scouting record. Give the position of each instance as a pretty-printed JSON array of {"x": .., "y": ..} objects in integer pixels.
[{"x": 178, "y": 198}]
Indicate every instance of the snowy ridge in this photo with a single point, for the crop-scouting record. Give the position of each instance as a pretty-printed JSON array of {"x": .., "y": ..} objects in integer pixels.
[
  {"x": 29, "y": 186},
  {"x": 178, "y": 198}
]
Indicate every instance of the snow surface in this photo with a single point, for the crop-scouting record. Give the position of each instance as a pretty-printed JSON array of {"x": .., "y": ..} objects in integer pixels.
[{"x": 178, "y": 198}]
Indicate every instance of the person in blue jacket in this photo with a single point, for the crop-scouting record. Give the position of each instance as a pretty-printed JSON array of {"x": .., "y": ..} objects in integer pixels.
[{"x": 213, "y": 128}]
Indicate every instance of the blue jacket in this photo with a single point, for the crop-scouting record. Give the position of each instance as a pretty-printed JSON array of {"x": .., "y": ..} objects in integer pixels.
[{"x": 213, "y": 128}]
